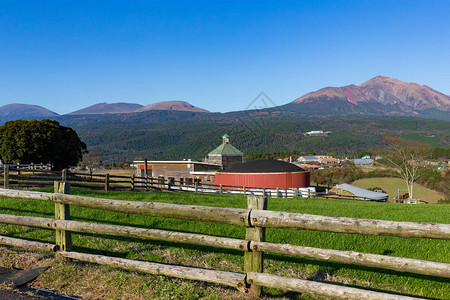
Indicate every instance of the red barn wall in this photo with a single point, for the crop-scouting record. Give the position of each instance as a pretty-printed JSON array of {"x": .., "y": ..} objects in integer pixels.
[{"x": 264, "y": 180}]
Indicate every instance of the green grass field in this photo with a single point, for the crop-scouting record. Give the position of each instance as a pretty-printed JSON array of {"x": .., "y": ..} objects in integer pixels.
[
  {"x": 391, "y": 185},
  {"x": 213, "y": 258}
]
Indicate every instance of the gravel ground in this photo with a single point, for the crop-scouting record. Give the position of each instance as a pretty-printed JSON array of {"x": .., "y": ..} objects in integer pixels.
[{"x": 14, "y": 295}]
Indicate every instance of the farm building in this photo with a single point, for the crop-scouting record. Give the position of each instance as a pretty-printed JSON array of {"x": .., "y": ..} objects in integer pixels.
[
  {"x": 183, "y": 172},
  {"x": 362, "y": 193},
  {"x": 363, "y": 161},
  {"x": 322, "y": 159},
  {"x": 308, "y": 159},
  {"x": 308, "y": 166},
  {"x": 317, "y": 133},
  {"x": 187, "y": 171},
  {"x": 264, "y": 174},
  {"x": 226, "y": 154}
]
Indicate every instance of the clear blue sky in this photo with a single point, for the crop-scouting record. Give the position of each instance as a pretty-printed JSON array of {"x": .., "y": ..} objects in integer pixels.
[{"x": 218, "y": 55}]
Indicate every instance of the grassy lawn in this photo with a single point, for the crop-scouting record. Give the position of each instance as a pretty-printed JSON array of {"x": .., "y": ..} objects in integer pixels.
[
  {"x": 77, "y": 278},
  {"x": 391, "y": 185}
]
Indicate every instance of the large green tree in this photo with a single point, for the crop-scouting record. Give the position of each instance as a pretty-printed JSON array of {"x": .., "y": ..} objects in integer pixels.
[{"x": 45, "y": 141}]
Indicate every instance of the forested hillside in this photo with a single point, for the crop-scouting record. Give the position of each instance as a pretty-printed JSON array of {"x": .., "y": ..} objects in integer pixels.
[{"x": 178, "y": 135}]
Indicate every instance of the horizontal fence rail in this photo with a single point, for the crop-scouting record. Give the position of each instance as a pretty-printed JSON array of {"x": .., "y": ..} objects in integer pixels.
[
  {"x": 274, "y": 219},
  {"x": 128, "y": 231},
  {"x": 399, "y": 264},
  {"x": 234, "y": 216},
  {"x": 351, "y": 257},
  {"x": 255, "y": 218},
  {"x": 319, "y": 289},
  {"x": 221, "y": 277},
  {"x": 27, "y": 244},
  {"x": 245, "y": 217}
]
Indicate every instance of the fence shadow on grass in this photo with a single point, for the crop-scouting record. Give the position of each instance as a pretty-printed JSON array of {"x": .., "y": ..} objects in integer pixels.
[
  {"x": 123, "y": 254},
  {"x": 336, "y": 265}
]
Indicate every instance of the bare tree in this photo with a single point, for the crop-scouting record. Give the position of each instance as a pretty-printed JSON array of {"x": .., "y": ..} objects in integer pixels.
[
  {"x": 407, "y": 156},
  {"x": 92, "y": 159}
]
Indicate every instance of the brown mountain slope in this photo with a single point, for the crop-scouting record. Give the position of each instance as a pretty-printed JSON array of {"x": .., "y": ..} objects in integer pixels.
[
  {"x": 108, "y": 108},
  {"x": 387, "y": 90},
  {"x": 172, "y": 105},
  {"x": 382, "y": 91}
]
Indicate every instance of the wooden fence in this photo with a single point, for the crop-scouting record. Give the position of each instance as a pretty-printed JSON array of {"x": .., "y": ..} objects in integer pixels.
[
  {"x": 25, "y": 177},
  {"x": 255, "y": 219},
  {"x": 43, "y": 176}
]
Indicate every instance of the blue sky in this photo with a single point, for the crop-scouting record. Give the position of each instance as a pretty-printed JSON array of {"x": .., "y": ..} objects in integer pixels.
[{"x": 218, "y": 55}]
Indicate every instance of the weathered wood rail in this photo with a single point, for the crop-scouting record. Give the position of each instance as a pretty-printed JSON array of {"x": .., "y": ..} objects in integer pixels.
[{"x": 255, "y": 218}]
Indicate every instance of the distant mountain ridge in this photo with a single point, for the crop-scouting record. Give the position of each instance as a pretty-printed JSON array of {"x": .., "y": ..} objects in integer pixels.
[
  {"x": 172, "y": 105},
  {"x": 108, "y": 108},
  {"x": 381, "y": 94},
  {"x": 126, "y": 108},
  {"x": 24, "y": 111}
]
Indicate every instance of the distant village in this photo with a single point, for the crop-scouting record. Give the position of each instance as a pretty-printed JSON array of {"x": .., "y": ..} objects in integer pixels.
[{"x": 225, "y": 166}]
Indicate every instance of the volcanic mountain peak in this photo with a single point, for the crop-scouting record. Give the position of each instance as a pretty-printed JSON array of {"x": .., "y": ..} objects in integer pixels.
[
  {"x": 390, "y": 90},
  {"x": 352, "y": 93},
  {"x": 172, "y": 105},
  {"x": 385, "y": 91},
  {"x": 108, "y": 108}
]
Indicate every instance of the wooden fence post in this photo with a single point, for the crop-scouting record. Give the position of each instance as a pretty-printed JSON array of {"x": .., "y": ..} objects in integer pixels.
[
  {"x": 254, "y": 259},
  {"x": 278, "y": 192},
  {"x": 145, "y": 167},
  {"x": 107, "y": 182},
  {"x": 6, "y": 177},
  {"x": 196, "y": 186},
  {"x": 62, "y": 212},
  {"x": 221, "y": 189},
  {"x": 244, "y": 190},
  {"x": 64, "y": 175},
  {"x": 132, "y": 182}
]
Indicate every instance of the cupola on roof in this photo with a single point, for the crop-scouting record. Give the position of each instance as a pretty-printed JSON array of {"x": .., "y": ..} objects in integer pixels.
[{"x": 226, "y": 148}]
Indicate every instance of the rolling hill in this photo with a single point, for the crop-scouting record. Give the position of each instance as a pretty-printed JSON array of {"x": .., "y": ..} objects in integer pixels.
[
  {"x": 17, "y": 111},
  {"x": 108, "y": 108},
  {"x": 172, "y": 106}
]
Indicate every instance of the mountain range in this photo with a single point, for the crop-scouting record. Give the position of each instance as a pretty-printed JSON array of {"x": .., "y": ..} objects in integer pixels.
[{"x": 381, "y": 96}]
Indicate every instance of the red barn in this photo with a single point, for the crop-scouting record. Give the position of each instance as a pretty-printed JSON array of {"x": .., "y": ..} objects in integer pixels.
[{"x": 264, "y": 174}]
